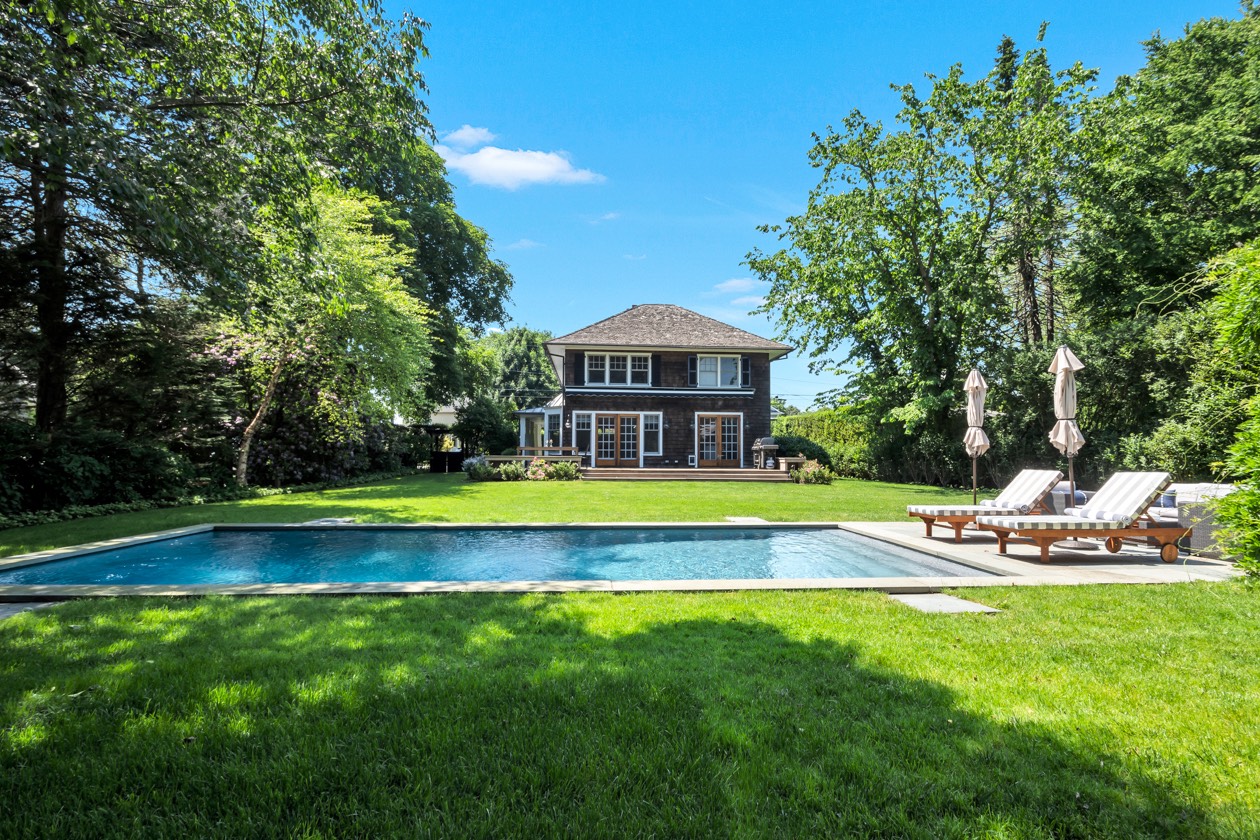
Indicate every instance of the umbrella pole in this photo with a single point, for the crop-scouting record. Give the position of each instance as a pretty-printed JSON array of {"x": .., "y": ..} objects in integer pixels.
[
  {"x": 973, "y": 479},
  {"x": 1071, "y": 484}
]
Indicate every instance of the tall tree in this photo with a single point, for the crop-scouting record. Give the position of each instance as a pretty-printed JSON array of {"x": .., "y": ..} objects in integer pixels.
[
  {"x": 920, "y": 243},
  {"x": 1030, "y": 115},
  {"x": 1175, "y": 179},
  {"x": 453, "y": 272},
  {"x": 349, "y": 329},
  {"x": 526, "y": 376},
  {"x": 890, "y": 258},
  {"x": 138, "y": 136}
]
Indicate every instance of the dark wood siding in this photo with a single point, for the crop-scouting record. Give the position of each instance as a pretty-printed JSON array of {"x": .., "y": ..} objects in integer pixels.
[{"x": 678, "y": 411}]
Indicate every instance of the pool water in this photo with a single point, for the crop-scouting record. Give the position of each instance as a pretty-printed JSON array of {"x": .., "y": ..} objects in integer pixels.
[{"x": 371, "y": 555}]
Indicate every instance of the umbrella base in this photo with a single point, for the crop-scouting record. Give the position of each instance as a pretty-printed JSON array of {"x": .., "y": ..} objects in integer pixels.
[{"x": 1077, "y": 545}]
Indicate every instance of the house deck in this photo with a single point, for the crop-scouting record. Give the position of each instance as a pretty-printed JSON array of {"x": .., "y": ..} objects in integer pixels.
[{"x": 682, "y": 474}]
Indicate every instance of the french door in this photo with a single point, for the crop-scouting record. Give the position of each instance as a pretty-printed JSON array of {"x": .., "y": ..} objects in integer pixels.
[
  {"x": 719, "y": 440},
  {"x": 616, "y": 440}
]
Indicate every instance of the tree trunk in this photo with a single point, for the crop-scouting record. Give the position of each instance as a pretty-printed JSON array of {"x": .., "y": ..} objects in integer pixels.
[
  {"x": 51, "y": 297},
  {"x": 242, "y": 457},
  {"x": 1028, "y": 274}
]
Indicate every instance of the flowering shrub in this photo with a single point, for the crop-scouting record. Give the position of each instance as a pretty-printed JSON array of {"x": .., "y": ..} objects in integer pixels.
[
  {"x": 563, "y": 471},
  {"x": 812, "y": 472},
  {"x": 539, "y": 469}
]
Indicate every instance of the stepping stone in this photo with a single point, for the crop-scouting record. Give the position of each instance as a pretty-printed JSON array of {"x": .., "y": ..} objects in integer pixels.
[
  {"x": 746, "y": 520},
  {"x": 935, "y": 602}
]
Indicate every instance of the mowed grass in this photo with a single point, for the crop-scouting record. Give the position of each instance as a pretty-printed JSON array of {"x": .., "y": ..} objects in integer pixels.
[
  {"x": 451, "y": 498},
  {"x": 1085, "y": 712}
]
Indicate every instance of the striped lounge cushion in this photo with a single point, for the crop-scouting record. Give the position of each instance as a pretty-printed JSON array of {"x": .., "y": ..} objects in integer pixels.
[
  {"x": 963, "y": 510},
  {"x": 1124, "y": 497},
  {"x": 1019, "y": 497},
  {"x": 1026, "y": 489},
  {"x": 1047, "y": 523}
]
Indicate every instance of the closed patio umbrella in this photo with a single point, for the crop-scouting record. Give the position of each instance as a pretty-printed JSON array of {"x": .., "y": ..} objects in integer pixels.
[
  {"x": 1066, "y": 435},
  {"x": 976, "y": 441}
]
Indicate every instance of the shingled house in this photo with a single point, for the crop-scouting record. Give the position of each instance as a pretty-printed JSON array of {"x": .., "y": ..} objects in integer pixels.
[{"x": 659, "y": 386}]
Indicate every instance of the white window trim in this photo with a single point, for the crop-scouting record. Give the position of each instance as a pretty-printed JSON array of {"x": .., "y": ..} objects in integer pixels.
[
  {"x": 739, "y": 370},
  {"x": 660, "y": 433},
  {"x": 629, "y": 371}
]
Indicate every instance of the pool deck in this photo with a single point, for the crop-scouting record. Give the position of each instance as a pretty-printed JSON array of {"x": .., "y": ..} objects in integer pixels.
[{"x": 1133, "y": 564}]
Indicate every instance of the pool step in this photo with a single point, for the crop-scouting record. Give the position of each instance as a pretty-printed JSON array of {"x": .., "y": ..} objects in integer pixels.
[{"x": 682, "y": 474}]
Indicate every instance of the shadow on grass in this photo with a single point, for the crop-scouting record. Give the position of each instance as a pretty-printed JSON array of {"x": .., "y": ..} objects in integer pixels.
[{"x": 506, "y": 716}]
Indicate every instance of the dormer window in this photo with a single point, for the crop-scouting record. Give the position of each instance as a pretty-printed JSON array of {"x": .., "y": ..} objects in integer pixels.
[{"x": 618, "y": 369}]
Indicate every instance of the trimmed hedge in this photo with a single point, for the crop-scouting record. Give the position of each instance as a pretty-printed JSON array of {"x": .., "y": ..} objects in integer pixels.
[
  {"x": 837, "y": 437},
  {"x": 231, "y": 494}
]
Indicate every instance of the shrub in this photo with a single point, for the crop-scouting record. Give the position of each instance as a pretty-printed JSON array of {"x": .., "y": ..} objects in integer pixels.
[
  {"x": 512, "y": 471},
  {"x": 843, "y": 434},
  {"x": 478, "y": 469},
  {"x": 812, "y": 472},
  {"x": 563, "y": 471},
  {"x": 1239, "y": 512},
  {"x": 791, "y": 446}
]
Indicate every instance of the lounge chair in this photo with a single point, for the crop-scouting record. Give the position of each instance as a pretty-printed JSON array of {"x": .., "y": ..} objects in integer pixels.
[
  {"x": 1019, "y": 498},
  {"x": 1118, "y": 510}
]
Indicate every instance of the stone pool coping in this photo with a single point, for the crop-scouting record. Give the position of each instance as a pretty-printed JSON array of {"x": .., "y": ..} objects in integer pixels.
[{"x": 1133, "y": 565}]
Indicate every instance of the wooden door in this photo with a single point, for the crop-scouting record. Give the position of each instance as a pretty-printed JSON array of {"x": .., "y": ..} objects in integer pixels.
[
  {"x": 616, "y": 440},
  {"x": 719, "y": 440}
]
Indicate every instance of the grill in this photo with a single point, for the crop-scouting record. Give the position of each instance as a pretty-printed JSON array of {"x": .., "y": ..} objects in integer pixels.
[{"x": 764, "y": 450}]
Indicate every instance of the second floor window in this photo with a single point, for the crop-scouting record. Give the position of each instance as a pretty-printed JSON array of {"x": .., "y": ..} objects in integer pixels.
[
  {"x": 618, "y": 369},
  {"x": 718, "y": 372}
]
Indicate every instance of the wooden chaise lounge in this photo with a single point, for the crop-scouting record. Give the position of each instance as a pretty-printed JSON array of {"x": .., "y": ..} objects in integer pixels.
[
  {"x": 1020, "y": 498},
  {"x": 1116, "y": 512}
]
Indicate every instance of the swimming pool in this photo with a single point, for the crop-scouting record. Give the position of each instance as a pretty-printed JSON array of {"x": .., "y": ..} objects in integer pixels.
[{"x": 359, "y": 554}]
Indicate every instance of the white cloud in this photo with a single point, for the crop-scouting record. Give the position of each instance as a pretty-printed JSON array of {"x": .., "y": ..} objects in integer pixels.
[
  {"x": 511, "y": 169},
  {"x": 739, "y": 284},
  {"x": 607, "y": 217},
  {"x": 748, "y": 300},
  {"x": 635, "y": 256},
  {"x": 522, "y": 245},
  {"x": 467, "y": 136}
]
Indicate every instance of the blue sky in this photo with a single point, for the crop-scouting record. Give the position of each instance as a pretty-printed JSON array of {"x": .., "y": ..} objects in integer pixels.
[{"x": 625, "y": 153}]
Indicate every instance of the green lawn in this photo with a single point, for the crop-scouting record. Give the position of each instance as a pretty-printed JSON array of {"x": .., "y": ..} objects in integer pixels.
[
  {"x": 1077, "y": 712},
  {"x": 450, "y": 498},
  {"x": 1117, "y": 711}
]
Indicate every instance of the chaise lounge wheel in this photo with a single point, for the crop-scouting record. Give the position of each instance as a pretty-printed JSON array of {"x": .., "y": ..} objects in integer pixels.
[
  {"x": 1168, "y": 552},
  {"x": 1114, "y": 543}
]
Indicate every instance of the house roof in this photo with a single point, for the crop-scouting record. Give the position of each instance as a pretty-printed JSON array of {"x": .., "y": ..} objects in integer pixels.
[{"x": 666, "y": 326}]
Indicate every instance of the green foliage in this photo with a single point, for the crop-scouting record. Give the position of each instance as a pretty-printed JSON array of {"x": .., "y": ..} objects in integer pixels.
[
  {"x": 559, "y": 471},
  {"x": 84, "y": 467},
  {"x": 477, "y": 469},
  {"x": 1236, "y": 306},
  {"x": 484, "y": 425},
  {"x": 920, "y": 243},
  {"x": 843, "y": 434},
  {"x": 812, "y": 472},
  {"x": 797, "y": 446},
  {"x": 1173, "y": 179},
  {"x": 512, "y": 471},
  {"x": 205, "y": 496},
  {"x": 170, "y": 125},
  {"x": 526, "y": 376},
  {"x": 334, "y": 313}
]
